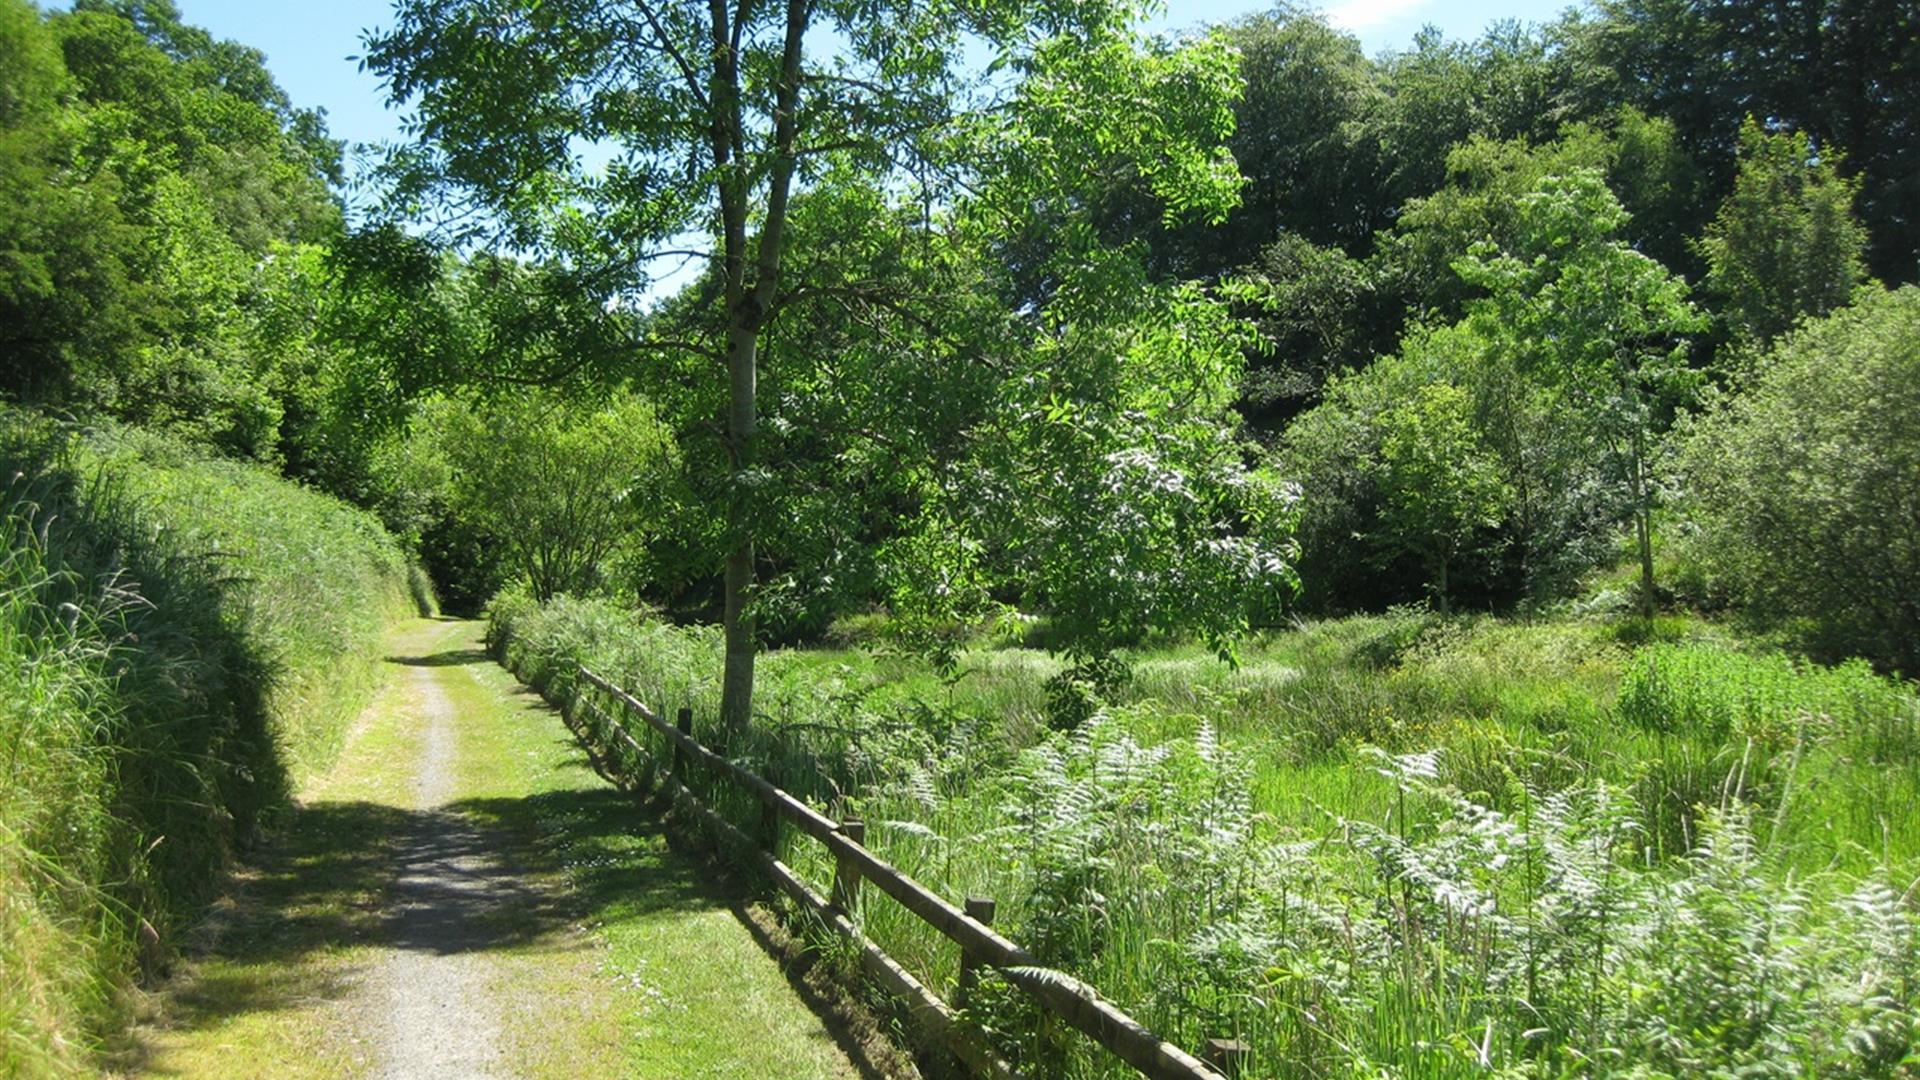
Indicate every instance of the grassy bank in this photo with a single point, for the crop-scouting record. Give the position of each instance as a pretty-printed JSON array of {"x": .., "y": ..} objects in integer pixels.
[
  {"x": 1389, "y": 845},
  {"x": 179, "y": 638}
]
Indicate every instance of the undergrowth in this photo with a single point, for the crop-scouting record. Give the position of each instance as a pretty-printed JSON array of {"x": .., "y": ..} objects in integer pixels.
[
  {"x": 1392, "y": 845},
  {"x": 180, "y": 637}
]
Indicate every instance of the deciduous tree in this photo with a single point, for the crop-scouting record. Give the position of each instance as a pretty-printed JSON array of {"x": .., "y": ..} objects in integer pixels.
[
  {"x": 715, "y": 119},
  {"x": 1441, "y": 485},
  {"x": 559, "y": 487},
  {"x": 1598, "y": 325}
]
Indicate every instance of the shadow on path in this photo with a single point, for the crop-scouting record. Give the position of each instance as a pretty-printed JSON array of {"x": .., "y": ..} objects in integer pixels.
[{"x": 450, "y": 658}]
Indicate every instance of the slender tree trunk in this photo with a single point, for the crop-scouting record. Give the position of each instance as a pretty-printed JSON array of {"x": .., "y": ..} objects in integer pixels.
[
  {"x": 1440, "y": 590},
  {"x": 749, "y": 306},
  {"x": 736, "y": 683},
  {"x": 1643, "y": 526}
]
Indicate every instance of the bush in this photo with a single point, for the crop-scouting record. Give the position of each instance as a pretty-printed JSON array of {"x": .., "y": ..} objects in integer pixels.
[
  {"x": 179, "y": 637},
  {"x": 1805, "y": 489}
]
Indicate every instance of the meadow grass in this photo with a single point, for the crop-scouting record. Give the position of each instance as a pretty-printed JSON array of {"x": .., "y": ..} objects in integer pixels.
[
  {"x": 179, "y": 636},
  {"x": 1379, "y": 845}
]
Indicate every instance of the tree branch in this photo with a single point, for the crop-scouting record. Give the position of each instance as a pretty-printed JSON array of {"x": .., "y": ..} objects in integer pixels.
[
  {"x": 667, "y": 46},
  {"x": 574, "y": 367},
  {"x": 726, "y": 139},
  {"x": 780, "y": 186},
  {"x": 876, "y": 295}
]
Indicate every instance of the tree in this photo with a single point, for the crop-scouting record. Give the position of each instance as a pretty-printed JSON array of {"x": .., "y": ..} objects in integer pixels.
[
  {"x": 561, "y": 489},
  {"x": 1441, "y": 486},
  {"x": 1316, "y": 313},
  {"x": 1844, "y": 72},
  {"x": 1804, "y": 485},
  {"x": 1300, "y": 136},
  {"x": 1512, "y": 83},
  {"x": 1573, "y": 361},
  {"x": 716, "y": 119},
  {"x": 1785, "y": 244},
  {"x": 1596, "y": 323},
  {"x": 154, "y": 178},
  {"x": 1359, "y": 549},
  {"x": 209, "y": 110},
  {"x": 1488, "y": 178},
  {"x": 71, "y": 286}
]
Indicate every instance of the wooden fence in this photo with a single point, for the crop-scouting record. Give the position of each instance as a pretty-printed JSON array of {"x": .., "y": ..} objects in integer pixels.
[{"x": 1068, "y": 998}]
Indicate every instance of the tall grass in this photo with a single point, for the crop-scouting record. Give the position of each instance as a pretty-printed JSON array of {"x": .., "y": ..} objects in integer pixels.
[
  {"x": 54, "y": 671},
  {"x": 179, "y": 637},
  {"x": 1719, "y": 693},
  {"x": 1383, "y": 846}
]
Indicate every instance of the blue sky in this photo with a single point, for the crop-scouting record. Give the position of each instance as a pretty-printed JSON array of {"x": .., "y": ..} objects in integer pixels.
[{"x": 307, "y": 44}]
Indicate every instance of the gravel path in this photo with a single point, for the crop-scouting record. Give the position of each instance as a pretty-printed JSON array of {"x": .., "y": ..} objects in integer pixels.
[{"x": 436, "y": 1017}]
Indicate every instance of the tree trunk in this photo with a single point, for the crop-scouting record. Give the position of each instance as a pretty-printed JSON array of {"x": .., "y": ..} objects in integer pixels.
[
  {"x": 736, "y": 681},
  {"x": 749, "y": 306},
  {"x": 1643, "y": 525},
  {"x": 1446, "y": 608}
]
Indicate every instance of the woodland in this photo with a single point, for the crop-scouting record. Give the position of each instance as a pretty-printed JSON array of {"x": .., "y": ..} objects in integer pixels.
[{"x": 1412, "y": 560}]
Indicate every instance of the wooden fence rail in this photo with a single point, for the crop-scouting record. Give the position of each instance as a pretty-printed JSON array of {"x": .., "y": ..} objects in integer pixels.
[{"x": 1063, "y": 995}]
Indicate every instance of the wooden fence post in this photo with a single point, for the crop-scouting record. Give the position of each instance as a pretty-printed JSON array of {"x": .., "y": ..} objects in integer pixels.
[
  {"x": 980, "y": 910},
  {"x": 1227, "y": 1055},
  {"x": 846, "y": 873},
  {"x": 685, "y": 724}
]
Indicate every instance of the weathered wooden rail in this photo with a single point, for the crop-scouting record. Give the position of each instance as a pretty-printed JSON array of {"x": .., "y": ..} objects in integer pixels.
[{"x": 1070, "y": 999}]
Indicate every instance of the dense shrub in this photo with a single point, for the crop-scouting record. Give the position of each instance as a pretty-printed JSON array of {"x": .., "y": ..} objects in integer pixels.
[
  {"x": 666, "y": 665},
  {"x": 179, "y": 638},
  {"x": 1807, "y": 486}
]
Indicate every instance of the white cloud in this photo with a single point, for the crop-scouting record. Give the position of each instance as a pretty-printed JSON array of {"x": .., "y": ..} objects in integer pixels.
[{"x": 1359, "y": 15}]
